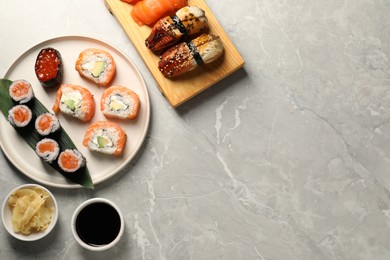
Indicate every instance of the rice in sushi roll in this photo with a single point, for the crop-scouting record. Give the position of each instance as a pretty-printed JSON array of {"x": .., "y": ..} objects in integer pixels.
[
  {"x": 20, "y": 115},
  {"x": 75, "y": 101},
  {"x": 96, "y": 65},
  {"x": 71, "y": 160},
  {"x": 21, "y": 91},
  {"x": 105, "y": 137},
  {"x": 47, "y": 149},
  {"x": 47, "y": 123},
  {"x": 119, "y": 102}
]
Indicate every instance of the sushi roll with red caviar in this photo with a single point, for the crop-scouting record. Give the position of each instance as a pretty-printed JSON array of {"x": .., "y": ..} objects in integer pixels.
[
  {"x": 47, "y": 123},
  {"x": 97, "y": 66},
  {"x": 71, "y": 160},
  {"x": 47, "y": 149},
  {"x": 119, "y": 102},
  {"x": 105, "y": 137},
  {"x": 49, "y": 67},
  {"x": 20, "y": 115},
  {"x": 75, "y": 101},
  {"x": 21, "y": 91}
]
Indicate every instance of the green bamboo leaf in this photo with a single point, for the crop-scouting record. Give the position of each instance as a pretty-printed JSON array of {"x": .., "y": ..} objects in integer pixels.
[
  {"x": 5, "y": 100},
  {"x": 31, "y": 136}
]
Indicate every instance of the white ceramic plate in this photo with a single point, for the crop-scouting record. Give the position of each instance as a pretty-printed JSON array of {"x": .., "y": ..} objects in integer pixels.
[{"x": 101, "y": 167}]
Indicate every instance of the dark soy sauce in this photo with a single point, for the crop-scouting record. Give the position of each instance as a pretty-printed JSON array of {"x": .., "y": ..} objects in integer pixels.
[{"x": 98, "y": 224}]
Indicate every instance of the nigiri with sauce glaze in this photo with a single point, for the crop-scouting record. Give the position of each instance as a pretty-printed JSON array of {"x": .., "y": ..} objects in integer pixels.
[
  {"x": 189, "y": 20},
  {"x": 186, "y": 56}
]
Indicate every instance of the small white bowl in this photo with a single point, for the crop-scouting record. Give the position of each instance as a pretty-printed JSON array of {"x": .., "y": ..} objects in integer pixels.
[
  {"x": 7, "y": 215},
  {"x": 95, "y": 217}
]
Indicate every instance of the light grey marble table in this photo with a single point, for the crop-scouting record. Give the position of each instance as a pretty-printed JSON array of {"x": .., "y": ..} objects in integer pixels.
[{"x": 288, "y": 158}]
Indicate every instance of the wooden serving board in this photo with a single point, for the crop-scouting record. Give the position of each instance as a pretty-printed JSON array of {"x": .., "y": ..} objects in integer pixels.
[{"x": 182, "y": 88}]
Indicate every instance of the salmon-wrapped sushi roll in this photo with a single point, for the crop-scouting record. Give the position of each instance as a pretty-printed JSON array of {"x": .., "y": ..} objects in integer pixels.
[
  {"x": 75, "y": 101},
  {"x": 119, "y": 102},
  {"x": 105, "y": 137},
  {"x": 71, "y": 160},
  {"x": 97, "y": 66},
  {"x": 21, "y": 91}
]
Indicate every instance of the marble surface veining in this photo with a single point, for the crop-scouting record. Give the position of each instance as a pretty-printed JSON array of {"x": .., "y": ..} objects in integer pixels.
[{"x": 288, "y": 158}]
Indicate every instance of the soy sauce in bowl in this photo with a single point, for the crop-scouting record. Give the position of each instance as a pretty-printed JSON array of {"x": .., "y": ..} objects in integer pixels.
[{"x": 97, "y": 224}]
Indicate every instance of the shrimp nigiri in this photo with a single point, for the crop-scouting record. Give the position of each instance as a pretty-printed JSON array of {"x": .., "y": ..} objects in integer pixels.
[
  {"x": 130, "y": 1},
  {"x": 150, "y": 11}
]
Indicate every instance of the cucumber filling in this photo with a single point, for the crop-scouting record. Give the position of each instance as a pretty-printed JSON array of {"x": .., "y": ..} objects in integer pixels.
[
  {"x": 98, "y": 68},
  {"x": 103, "y": 141},
  {"x": 70, "y": 104}
]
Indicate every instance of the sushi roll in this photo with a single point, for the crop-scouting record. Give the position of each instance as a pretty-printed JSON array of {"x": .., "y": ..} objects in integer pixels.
[
  {"x": 47, "y": 123},
  {"x": 105, "y": 137},
  {"x": 119, "y": 102},
  {"x": 96, "y": 65},
  {"x": 71, "y": 160},
  {"x": 20, "y": 115},
  {"x": 47, "y": 149},
  {"x": 21, "y": 91},
  {"x": 75, "y": 101},
  {"x": 49, "y": 67}
]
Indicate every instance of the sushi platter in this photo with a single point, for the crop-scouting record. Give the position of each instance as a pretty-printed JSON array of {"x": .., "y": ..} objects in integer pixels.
[
  {"x": 179, "y": 90},
  {"x": 100, "y": 166}
]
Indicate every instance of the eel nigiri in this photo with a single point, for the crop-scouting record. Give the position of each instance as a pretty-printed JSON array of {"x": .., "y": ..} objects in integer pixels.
[
  {"x": 150, "y": 11},
  {"x": 189, "y": 20},
  {"x": 185, "y": 57},
  {"x": 75, "y": 101}
]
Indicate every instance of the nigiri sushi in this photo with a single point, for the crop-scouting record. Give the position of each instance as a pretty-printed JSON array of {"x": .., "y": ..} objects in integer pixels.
[
  {"x": 47, "y": 123},
  {"x": 47, "y": 149},
  {"x": 189, "y": 20},
  {"x": 131, "y": 1},
  {"x": 119, "y": 102},
  {"x": 149, "y": 11},
  {"x": 105, "y": 137},
  {"x": 96, "y": 65},
  {"x": 49, "y": 67},
  {"x": 20, "y": 115},
  {"x": 21, "y": 91},
  {"x": 71, "y": 160},
  {"x": 185, "y": 57},
  {"x": 75, "y": 101}
]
